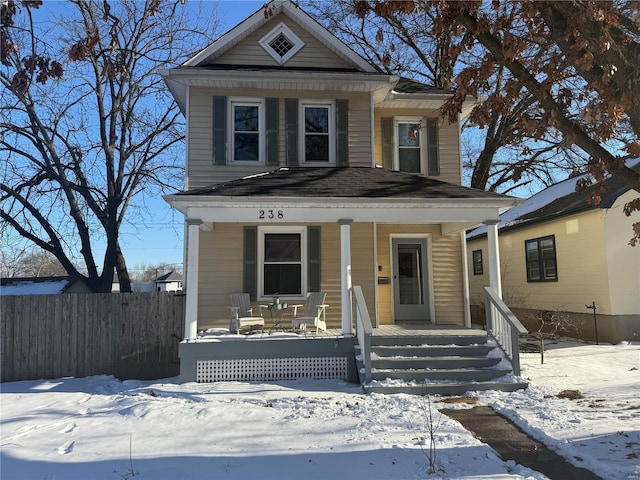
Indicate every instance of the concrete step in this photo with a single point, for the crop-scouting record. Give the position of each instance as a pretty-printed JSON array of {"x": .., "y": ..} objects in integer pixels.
[
  {"x": 433, "y": 362},
  {"x": 458, "y": 374},
  {"x": 457, "y": 388},
  {"x": 431, "y": 350}
]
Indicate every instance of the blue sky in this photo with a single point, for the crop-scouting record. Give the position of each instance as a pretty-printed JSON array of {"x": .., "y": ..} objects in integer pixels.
[{"x": 160, "y": 239}]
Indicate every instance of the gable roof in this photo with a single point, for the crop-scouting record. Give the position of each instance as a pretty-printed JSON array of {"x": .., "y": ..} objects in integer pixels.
[
  {"x": 170, "y": 277},
  {"x": 341, "y": 182},
  {"x": 238, "y": 33},
  {"x": 42, "y": 285},
  {"x": 559, "y": 200}
]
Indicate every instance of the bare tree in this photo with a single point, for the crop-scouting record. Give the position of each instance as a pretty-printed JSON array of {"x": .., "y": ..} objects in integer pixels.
[
  {"x": 88, "y": 128},
  {"x": 16, "y": 261}
]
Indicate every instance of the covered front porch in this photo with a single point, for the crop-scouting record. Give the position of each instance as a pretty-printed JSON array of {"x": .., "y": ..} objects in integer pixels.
[
  {"x": 398, "y": 358},
  {"x": 342, "y": 226},
  {"x": 352, "y": 225}
]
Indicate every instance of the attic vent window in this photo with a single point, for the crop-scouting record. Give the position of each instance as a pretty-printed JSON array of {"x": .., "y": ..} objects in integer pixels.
[{"x": 281, "y": 43}]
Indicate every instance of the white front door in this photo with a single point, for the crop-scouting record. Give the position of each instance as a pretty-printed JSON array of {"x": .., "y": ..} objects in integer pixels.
[{"x": 410, "y": 280}]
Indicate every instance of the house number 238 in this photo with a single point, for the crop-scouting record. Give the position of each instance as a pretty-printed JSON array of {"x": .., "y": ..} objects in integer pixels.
[{"x": 270, "y": 214}]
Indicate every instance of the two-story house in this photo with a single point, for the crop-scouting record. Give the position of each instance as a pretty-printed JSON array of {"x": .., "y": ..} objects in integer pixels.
[{"x": 310, "y": 170}]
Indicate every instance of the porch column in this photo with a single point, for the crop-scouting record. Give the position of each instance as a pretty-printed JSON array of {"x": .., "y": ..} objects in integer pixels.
[
  {"x": 191, "y": 279},
  {"x": 494, "y": 256},
  {"x": 345, "y": 273}
]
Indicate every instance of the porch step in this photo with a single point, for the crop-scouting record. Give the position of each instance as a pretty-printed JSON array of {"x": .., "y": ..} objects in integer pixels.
[
  {"x": 458, "y": 388},
  {"x": 447, "y": 362},
  {"x": 457, "y": 374},
  {"x": 432, "y": 350},
  {"x": 474, "y": 338},
  {"x": 405, "y": 362}
]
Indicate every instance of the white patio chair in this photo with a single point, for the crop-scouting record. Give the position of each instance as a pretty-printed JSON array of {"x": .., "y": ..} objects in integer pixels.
[
  {"x": 313, "y": 314},
  {"x": 242, "y": 313}
]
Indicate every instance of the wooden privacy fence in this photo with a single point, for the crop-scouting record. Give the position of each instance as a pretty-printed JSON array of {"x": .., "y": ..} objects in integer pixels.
[{"x": 128, "y": 335}]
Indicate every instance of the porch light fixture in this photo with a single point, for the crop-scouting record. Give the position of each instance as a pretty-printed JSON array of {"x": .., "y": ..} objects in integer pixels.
[{"x": 281, "y": 43}]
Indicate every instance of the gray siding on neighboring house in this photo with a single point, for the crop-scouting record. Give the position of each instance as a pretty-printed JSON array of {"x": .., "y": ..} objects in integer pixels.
[
  {"x": 201, "y": 170},
  {"x": 313, "y": 55}
]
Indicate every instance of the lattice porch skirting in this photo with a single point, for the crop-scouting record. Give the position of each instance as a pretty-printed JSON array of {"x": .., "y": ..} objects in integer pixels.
[{"x": 271, "y": 369}]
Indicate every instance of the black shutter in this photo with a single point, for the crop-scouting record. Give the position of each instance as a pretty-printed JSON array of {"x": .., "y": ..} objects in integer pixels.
[
  {"x": 433, "y": 159},
  {"x": 342, "y": 133},
  {"x": 272, "y": 120},
  {"x": 313, "y": 259},
  {"x": 220, "y": 130},
  {"x": 387, "y": 142},
  {"x": 250, "y": 262},
  {"x": 291, "y": 127}
]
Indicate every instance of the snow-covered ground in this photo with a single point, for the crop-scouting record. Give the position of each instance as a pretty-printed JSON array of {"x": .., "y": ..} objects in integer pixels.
[{"x": 101, "y": 428}]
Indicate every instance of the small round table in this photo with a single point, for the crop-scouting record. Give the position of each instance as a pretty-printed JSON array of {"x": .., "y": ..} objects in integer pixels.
[{"x": 276, "y": 310}]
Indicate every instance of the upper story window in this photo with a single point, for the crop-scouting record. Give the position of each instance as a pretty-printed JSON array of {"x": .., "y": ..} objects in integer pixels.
[
  {"x": 247, "y": 132},
  {"x": 410, "y": 144},
  {"x": 541, "y": 259},
  {"x": 409, "y": 148},
  {"x": 317, "y": 133},
  {"x": 281, "y": 43}
]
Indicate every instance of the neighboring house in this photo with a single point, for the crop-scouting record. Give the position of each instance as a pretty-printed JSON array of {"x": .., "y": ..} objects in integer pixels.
[
  {"x": 44, "y": 285},
  {"x": 560, "y": 252},
  {"x": 310, "y": 170},
  {"x": 169, "y": 282}
]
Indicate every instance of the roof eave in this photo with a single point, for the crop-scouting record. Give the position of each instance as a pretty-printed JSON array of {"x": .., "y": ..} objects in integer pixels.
[
  {"x": 219, "y": 200},
  {"x": 426, "y": 100}
]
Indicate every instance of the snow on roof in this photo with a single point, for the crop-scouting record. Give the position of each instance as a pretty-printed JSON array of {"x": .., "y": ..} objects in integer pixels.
[
  {"x": 34, "y": 287},
  {"x": 514, "y": 215}
]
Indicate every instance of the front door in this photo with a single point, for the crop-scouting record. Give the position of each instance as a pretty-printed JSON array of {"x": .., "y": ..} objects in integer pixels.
[{"x": 410, "y": 282}]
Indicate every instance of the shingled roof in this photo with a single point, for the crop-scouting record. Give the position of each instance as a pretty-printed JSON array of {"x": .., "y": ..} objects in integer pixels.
[
  {"x": 341, "y": 182},
  {"x": 560, "y": 200}
]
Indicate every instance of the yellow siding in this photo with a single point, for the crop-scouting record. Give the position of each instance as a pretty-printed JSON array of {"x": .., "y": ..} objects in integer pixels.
[
  {"x": 446, "y": 267},
  {"x": 221, "y": 268},
  {"x": 220, "y": 273},
  {"x": 581, "y": 261},
  {"x": 448, "y": 138},
  {"x": 623, "y": 261},
  {"x": 201, "y": 171},
  {"x": 313, "y": 55}
]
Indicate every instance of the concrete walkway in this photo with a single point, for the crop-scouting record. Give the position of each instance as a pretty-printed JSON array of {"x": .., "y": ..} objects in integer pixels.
[{"x": 511, "y": 443}]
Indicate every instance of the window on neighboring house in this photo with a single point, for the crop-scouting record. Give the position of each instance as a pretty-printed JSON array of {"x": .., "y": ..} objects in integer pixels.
[
  {"x": 318, "y": 133},
  {"x": 477, "y": 262},
  {"x": 282, "y": 257},
  {"x": 541, "y": 259},
  {"x": 247, "y": 135},
  {"x": 415, "y": 145}
]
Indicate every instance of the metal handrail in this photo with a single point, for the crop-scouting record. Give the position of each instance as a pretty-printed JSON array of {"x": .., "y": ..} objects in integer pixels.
[
  {"x": 505, "y": 328},
  {"x": 364, "y": 330}
]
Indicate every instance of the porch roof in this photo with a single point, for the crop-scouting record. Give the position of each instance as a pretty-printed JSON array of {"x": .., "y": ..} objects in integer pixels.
[
  {"x": 328, "y": 194},
  {"x": 344, "y": 182}
]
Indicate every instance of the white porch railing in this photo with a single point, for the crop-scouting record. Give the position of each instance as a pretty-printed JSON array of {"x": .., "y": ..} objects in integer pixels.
[
  {"x": 503, "y": 325},
  {"x": 364, "y": 330}
]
